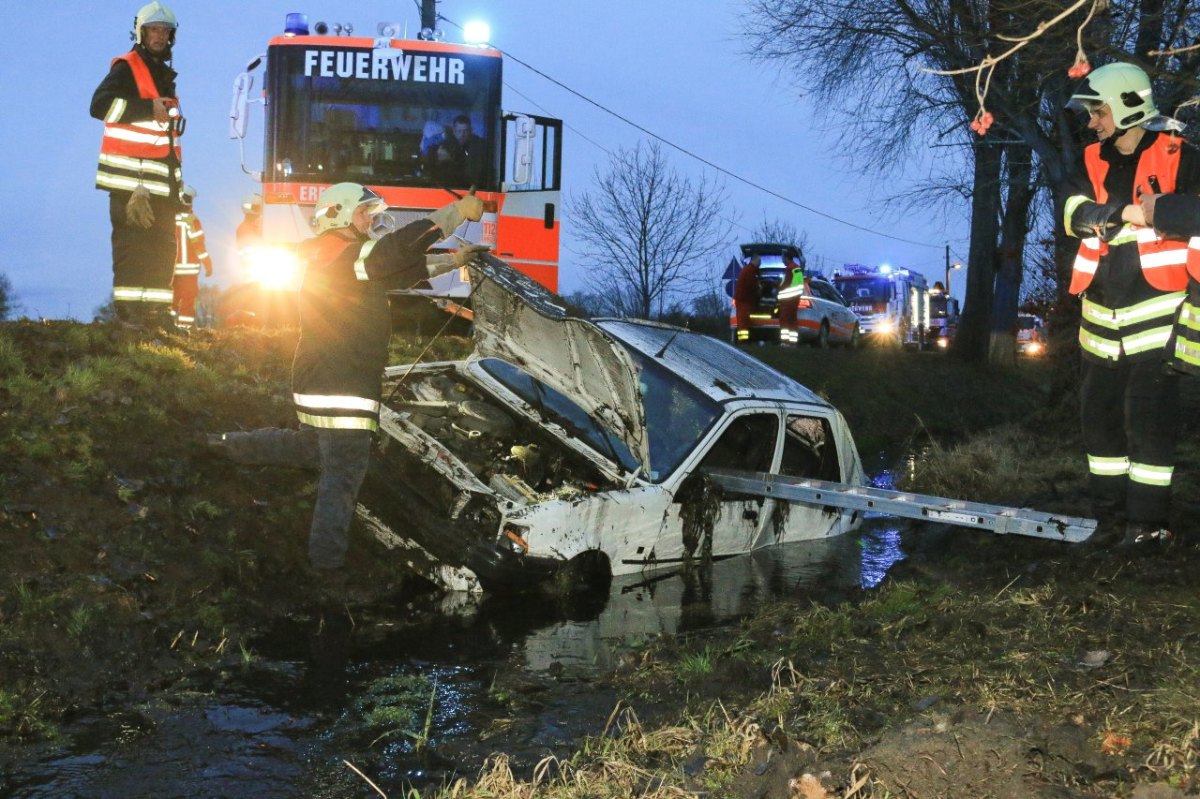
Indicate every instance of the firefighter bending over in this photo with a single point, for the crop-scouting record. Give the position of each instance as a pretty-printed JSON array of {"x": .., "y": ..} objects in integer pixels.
[
  {"x": 140, "y": 167},
  {"x": 747, "y": 292},
  {"x": 1132, "y": 282},
  {"x": 190, "y": 255},
  {"x": 337, "y": 374}
]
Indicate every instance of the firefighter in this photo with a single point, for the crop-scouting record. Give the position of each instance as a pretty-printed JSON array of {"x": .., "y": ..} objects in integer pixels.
[
  {"x": 190, "y": 255},
  {"x": 139, "y": 166},
  {"x": 790, "y": 291},
  {"x": 746, "y": 294},
  {"x": 1132, "y": 282},
  {"x": 337, "y": 373},
  {"x": 249, "y": 230}
]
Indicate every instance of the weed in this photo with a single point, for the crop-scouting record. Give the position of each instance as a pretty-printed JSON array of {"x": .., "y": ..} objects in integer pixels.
[
  {"x": 203, "y": 509},
  {"x": 697, "y": 664},
  {"x": 79, "y": 621}
]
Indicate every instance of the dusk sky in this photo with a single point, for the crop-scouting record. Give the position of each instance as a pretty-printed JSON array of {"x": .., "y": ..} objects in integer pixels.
[{"x": 676, "y": 68}]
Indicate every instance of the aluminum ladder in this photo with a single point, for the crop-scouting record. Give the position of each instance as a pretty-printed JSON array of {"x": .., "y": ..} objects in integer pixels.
[{"x": 993, "y": 518}]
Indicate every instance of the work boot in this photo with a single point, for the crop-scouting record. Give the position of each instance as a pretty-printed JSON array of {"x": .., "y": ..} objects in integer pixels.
[{"x": 1144, "y": 539}]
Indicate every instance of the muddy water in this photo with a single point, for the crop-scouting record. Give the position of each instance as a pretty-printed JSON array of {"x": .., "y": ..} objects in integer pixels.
[{"x": 512, "y": 675}]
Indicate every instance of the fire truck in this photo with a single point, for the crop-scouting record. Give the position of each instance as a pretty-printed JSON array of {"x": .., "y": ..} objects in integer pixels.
[
  {"x": 943, "y": 316},
  {"x": 892, "y": 304},
  {"x": 419, "y": 121}
]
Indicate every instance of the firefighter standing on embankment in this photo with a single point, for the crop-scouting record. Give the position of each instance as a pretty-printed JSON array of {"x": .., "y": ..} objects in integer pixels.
[
  {"x": 139, "y": 167},
  {"x": 345, "y": 324},
  {"x": 191, "y": 254},
  {"x": 1132, "y": 282}
]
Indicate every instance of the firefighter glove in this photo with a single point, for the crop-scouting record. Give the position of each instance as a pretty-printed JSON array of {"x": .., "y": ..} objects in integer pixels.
[
  {"x": 1092, "y": 219},
  {"x": 449, "y": 217},
  {"x": 440, "y": 263},
  {"x": 138, "y": 211}
]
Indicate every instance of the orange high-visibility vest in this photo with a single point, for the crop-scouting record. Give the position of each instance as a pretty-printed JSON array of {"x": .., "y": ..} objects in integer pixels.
[
  {"x": 145, "y": 138},
  {"x": 1164, "y": 261}
]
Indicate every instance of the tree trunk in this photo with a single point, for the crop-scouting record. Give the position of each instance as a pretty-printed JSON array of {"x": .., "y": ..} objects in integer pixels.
[
  {"x": 1010, "y": 261},
  {"x": 971, "y": 341}
]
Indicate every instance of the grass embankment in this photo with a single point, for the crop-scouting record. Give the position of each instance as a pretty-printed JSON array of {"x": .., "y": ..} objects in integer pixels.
[
  {"x": 129, "y": 558},
  {"x": 997, "y": 667}
]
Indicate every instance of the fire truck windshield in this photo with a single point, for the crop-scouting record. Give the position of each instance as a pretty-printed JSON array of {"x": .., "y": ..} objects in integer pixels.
[
  {"x": 394, "y": 117},
  {"x": 864, "y": 288}
]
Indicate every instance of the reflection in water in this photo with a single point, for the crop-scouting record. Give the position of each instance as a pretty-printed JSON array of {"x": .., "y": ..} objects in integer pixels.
[{"x": 283, "y": 725}]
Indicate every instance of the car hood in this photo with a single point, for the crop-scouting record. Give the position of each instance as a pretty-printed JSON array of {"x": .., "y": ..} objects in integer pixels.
[{"x": 519, "y": 321}]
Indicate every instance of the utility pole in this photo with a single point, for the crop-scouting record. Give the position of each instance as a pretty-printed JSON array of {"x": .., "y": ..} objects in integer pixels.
[
  {"x": 429, "y": 16},
  {"x": 947, "y": 269}
]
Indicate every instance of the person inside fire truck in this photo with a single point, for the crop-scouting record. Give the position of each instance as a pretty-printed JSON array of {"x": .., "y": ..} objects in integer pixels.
[
  {"x": 747, "y": 292},
  {"x": 191, "y": 254},
  {"x": 140, "y": 167},
  {"x": 337, "y": 374},
  {"x": 1132, "y": 283}
]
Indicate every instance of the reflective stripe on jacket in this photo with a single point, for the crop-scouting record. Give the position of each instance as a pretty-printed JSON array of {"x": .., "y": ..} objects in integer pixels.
[
  {"x": 1164, "y": 261},
  {"x": 138, "y": 152},
  {"x": 190, "y": 250}
]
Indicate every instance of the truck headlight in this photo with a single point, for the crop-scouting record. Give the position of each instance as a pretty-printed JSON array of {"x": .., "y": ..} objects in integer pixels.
[{"x": 272, "y": 267}]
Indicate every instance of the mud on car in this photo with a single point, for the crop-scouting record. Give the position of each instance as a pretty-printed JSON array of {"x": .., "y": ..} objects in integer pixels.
[{"x": 567, "y": 446}]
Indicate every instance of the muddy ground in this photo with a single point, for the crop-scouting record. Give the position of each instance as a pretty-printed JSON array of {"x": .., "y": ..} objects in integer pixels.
[{"x": 135, "y": 567}]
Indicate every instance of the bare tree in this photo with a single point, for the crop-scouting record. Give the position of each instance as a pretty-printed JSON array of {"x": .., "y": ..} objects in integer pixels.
[
  {"x": 650, "y": 235},
  {"x": 777, "y": 231},
  {"x": 872, "y": 57}
]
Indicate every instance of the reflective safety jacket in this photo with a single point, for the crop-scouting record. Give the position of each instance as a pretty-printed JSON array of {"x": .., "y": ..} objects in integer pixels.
[
  {"x": 190, "y": 250},
  {"x": 1163, "y": 261},
  {"x": 792, "y": 285},
  {"x": 136, "y": 150},
  {"x": 345, "y": 322}
]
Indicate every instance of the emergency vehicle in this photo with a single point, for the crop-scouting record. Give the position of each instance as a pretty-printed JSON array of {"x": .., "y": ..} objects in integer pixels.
[
  {"x": 1031, "y": 335},
  {"x": 892, "y": 304},
  {"x": 943, "y": 316},
  {"x": 419, "y": 121}
]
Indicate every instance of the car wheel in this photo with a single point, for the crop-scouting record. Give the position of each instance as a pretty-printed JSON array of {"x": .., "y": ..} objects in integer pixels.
[
  {"x": 822, "y": 340},
  {"x": 852, "y": 344}
]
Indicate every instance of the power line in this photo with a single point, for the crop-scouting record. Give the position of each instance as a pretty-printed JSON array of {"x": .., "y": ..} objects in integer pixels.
[{"x": 699, "y": 158}]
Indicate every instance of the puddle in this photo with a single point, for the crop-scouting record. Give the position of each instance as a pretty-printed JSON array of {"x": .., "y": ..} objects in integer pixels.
[{"x": 287, "y": 724}]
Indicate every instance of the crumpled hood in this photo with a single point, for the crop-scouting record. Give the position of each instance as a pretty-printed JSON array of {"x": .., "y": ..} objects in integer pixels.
[{"x": 519, "y": 321}]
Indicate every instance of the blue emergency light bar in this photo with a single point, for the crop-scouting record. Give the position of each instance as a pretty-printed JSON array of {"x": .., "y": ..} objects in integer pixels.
[{"x": 295, "y": 25}]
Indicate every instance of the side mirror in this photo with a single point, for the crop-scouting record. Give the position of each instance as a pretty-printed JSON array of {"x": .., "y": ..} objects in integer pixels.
[
  {"x": 526, "y": 132},
  {"x": 242, "y": 86}
]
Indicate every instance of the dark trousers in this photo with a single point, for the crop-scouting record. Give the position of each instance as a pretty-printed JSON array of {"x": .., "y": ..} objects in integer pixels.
[
  {"x": 1131, "y": 410},
  {"x": 340, "y": 455},
  {"x": 142, "y": 258}
]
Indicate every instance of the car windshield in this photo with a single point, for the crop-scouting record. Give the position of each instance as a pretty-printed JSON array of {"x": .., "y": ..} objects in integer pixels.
[
  {"x": 864, "y": 288},
  {"x": 1028, "y": 322},
  {"x": 560, "y": 409},
  {"x": 677, "y": 415},
  {"x": 939, "y": 306},
  {"x": 383, "y": 117}
]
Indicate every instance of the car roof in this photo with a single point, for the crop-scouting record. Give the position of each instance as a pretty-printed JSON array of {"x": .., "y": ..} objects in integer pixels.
[{"x": 720, "y": 370}]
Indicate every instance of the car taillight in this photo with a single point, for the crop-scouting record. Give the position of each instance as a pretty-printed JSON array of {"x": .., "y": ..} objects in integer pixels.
[{"x": 804, "y": 302}]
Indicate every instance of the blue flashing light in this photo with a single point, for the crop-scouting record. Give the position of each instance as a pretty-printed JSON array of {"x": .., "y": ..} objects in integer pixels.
[
  {"x": 885, "y": 269},
  {"x": 295, "y": 25}
]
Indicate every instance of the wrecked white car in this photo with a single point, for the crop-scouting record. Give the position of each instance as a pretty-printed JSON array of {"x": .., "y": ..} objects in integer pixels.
[{"x": 570, "y": 446}]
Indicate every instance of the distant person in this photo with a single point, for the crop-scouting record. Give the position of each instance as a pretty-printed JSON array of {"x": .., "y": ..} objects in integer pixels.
[
  {"x": 791, "y": 288},
  {"x": 467, "y": 152},
  {"x": 140, "y": 167},
  {"x": 1131, "y": 285},
  {"x": 747, "y": 293},
  {"x": 250, "y": 229},
  {"x": 191, "y": 255},
  {"x": 337, "y": 374}
]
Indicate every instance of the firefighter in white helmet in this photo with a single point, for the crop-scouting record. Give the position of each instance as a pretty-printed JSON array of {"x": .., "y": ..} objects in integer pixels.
[
  {"x": 191, "y": 255},
  {"x": 1132, "y": 282},
  {"x": 140, "y": 166},
  {"x": 337, "y": 374}
]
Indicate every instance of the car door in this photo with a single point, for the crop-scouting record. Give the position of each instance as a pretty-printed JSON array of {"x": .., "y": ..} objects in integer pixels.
[
  {"x": 841, "y": 319},
  {"x": 700, "y": 518}
]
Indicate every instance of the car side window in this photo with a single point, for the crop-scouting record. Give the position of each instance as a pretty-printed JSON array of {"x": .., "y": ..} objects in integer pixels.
[
  {"x": 748, "y": 443},
  {"x": 809, "y": 449}
]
